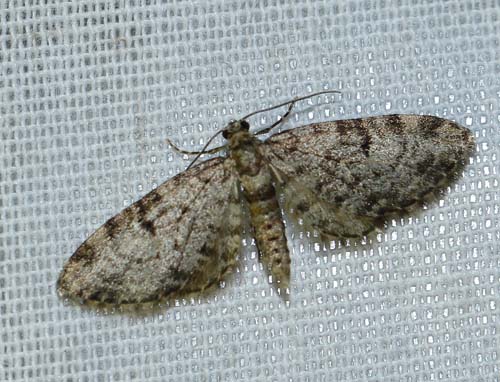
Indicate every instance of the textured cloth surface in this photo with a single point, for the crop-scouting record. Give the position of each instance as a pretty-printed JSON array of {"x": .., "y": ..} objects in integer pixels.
[{"x": 90, "y": 90}]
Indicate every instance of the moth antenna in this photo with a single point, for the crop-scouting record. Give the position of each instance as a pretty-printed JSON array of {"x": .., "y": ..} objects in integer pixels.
[
  {"x": 290, "y": 101},
  {"x": 293, "y": 100},
  {"x": 202, "y": 151}
]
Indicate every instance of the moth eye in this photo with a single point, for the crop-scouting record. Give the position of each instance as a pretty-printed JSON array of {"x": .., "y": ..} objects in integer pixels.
[
  {"x": 224, "y": 134},
  {"x": 244, "y": 125}
]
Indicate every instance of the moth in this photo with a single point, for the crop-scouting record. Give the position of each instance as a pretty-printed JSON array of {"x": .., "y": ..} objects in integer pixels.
[{"x": 342, "y": 178}]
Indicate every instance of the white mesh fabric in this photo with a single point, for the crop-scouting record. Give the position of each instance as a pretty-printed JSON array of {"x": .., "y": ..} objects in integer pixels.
[{"x": 89, "y": 91}]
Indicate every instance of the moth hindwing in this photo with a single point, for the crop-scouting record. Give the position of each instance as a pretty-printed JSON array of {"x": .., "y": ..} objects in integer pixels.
[{"x": 343, "y": 178}]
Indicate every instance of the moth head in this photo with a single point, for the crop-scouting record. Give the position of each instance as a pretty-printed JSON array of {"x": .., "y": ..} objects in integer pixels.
[{"x": 235, "y": 127}]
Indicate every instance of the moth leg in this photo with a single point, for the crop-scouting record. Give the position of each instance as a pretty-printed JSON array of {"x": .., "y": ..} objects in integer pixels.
[
  {"x": 221, "y": 252},
  {"x": 181, "y": 151},
  {"x": 329, "y": 220},
  {"x": 279, "y": 121}
]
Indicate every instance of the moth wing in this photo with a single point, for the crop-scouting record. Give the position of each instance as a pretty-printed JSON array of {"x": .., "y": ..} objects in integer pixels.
[
  {"x": 317, "y": 213},
  {"x": 163, "y": 245},
  {"x": 368, "y": 169},
  {"x": 226, "y": 245}
]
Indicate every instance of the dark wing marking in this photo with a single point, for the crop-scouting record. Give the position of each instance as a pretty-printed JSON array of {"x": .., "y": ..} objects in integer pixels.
[
  {"x": 372, "y": 167},
  {"x": 158, "y": 246}
]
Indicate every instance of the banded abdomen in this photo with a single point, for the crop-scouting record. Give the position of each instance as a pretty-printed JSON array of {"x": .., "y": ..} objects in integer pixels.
[{"x": 265, "y": 212}]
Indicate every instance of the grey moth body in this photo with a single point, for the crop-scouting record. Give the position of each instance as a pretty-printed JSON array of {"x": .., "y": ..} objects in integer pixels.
[{"x": 342, "y": 178}]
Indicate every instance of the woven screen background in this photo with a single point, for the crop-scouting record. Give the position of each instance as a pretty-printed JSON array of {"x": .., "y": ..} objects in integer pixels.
[{"x": 89, "y": 91}]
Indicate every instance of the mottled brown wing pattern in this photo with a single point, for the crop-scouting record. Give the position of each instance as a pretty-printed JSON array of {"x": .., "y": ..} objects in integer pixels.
[
  {"x": 368, "y": 168},
  {"x": 226, "y": 245},
  {"x": 318, "y": 214},
  {"x": 163, "y": 245}
]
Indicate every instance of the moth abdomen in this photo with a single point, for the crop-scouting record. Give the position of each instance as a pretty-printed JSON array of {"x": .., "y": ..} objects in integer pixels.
[
  {"x": 269, "y": 230},
  {"x": 265, "y": 212}
]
